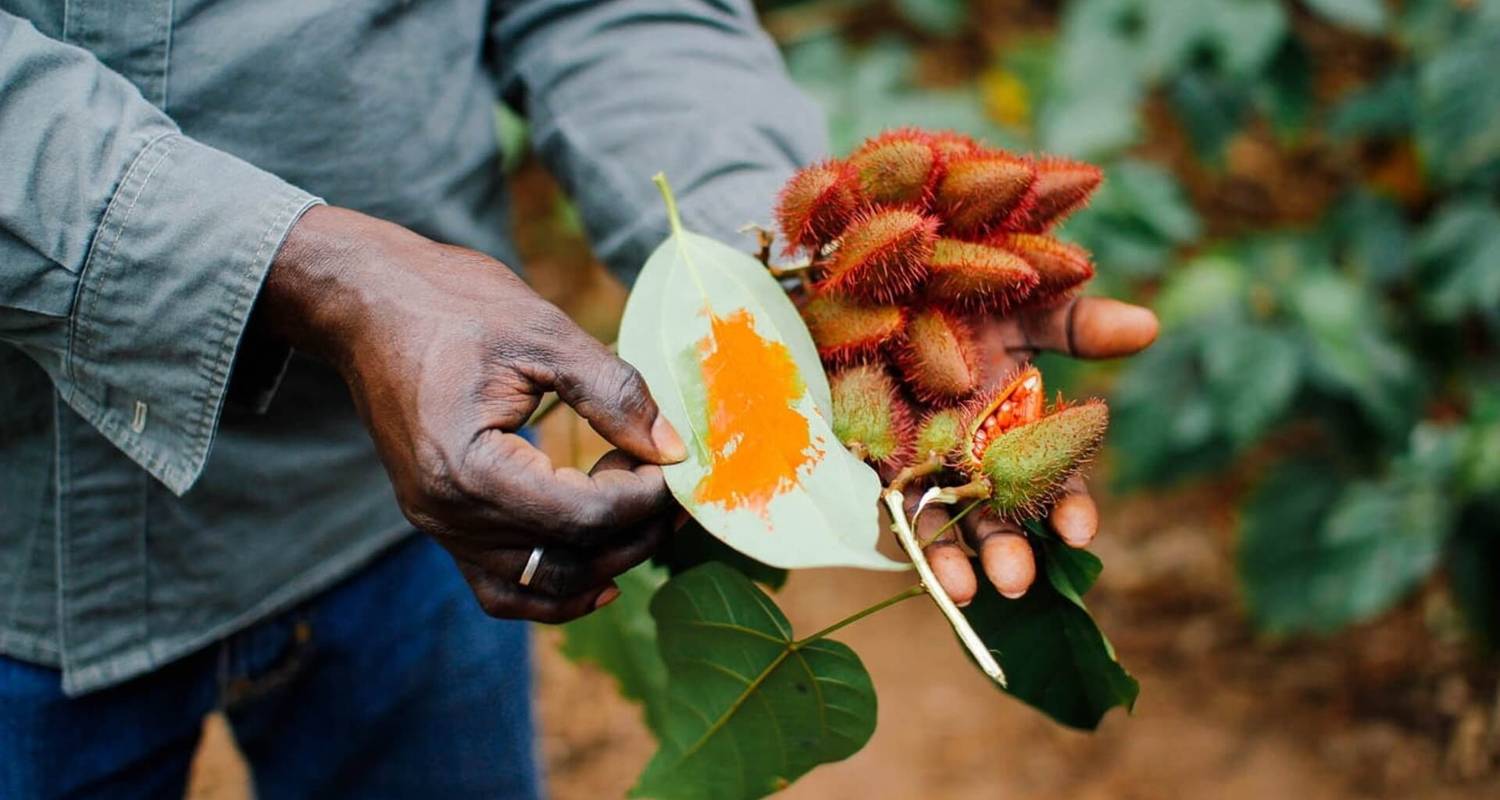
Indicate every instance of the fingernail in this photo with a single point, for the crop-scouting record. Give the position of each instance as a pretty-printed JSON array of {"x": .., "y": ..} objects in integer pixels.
[
  {"x": 965, "y": 604},
  {"x": 667, "y": 442},
  {"x": 1014, "y": 595},
  {"x": 606, "y": 597}
]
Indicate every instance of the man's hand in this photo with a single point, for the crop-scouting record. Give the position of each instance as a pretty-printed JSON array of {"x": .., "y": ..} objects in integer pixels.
[
  {"x": 447, "y": 353},
  {"x": 1086, "y": 327}
]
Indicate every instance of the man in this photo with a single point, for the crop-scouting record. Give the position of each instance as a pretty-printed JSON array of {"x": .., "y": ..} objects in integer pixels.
[{"x": 256, "y": 327}]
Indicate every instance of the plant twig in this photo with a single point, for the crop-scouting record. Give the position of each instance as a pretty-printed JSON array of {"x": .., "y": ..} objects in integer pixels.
[
  {"x": 896, "y": 503},
  {"x": 932, "y": 465},
  {"x": 905, "y": 594}
]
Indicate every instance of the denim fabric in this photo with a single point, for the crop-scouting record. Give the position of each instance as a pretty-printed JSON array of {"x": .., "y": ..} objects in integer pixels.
[
  {"x": 165, "y": 480},
  {"x": 391, "y": 685}
]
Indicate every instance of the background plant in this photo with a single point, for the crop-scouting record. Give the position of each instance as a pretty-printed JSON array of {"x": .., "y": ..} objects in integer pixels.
[{"x": 1307, "y": 193}]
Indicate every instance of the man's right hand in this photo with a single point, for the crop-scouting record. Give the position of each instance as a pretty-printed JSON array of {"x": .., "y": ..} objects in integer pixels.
[{"x": 447, "y": 353}]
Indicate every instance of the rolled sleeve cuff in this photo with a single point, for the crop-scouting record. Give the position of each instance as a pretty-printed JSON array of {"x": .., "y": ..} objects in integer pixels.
[{"x": 164, "y": 298}]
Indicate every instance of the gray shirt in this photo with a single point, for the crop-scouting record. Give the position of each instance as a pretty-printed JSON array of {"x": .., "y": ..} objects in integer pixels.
[{"x": 166, "y": 480}]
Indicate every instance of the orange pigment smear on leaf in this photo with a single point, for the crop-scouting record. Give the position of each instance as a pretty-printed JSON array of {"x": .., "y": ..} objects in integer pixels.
[{"x": 757, "y": 440}]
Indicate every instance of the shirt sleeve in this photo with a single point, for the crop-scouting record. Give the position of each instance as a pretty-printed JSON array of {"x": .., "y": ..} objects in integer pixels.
[
  {"x": 618, "y": 91},
  {"x": 130, "y": 254}
]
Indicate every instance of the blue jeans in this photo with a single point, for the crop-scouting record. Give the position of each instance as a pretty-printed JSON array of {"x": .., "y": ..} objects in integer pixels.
[{"x": 392, "y": 684}]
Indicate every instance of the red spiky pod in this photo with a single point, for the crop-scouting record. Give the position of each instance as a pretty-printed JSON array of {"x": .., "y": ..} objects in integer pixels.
[
  {"x": 847, "y": 331},
  {"x": 970, "y": 276},
  {"x": 938, "y": 357},
  {"x": 1062, "y": 267},
  {"x": 869, "y": 411},
  {"x": 1062, "y": 187},
  {"x": 952, "y": 145},
  {"x": 815, "y": 205},
  {"x": 980, "y": 192},
  {"x": 882, "y": 255},
  {"x": 897, "y": 167}
]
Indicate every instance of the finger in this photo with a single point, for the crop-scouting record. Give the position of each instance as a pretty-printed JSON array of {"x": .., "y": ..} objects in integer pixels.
[
  {"x": 1092, "y": 327},
  {"x": 520, "y": 488},
  {"x": 613, "y": 397},
  {"x": 948, "y": 561},
  {"x": 506, "y": 600},
  {"x": 1004, "y": 554},
  {"x": 1075, "y": 518}
]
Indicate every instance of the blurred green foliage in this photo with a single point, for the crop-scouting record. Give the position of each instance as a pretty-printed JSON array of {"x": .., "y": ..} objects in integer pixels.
[{"x": 1333, "y": 342}]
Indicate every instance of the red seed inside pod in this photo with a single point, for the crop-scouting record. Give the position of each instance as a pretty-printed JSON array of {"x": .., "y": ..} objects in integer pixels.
[{"x": 1020, "y": 402}]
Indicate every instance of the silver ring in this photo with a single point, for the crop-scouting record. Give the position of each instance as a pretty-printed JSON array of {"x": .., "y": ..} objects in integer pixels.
[{"x": 531, "y": 564}]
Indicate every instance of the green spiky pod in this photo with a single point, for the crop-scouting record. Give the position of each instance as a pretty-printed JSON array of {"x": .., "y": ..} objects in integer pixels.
[
  {"x": 1061, "y": 267},
  {"x": 941, "y": 434},
  {"x": 815, "y": 205},
  {"x": 1028, "y": 466},
  {"x": 1062, "y": 187},
  {"x": 868, "y": 411},
  {"x": 981, "y": 191},
  {"x": 952, "y": 145},
  {"x": 896, "y": 168},
  {"x": 975, "y": 277},
  {"x": 847, "y": 331},
  {"x": 882, "y": 256},
  {"x": 938, "y": 357}
]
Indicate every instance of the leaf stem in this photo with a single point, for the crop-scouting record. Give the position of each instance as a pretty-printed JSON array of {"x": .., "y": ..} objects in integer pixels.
[
  {"x": 938, "y": 534},
  {"x": 905, "y": 594},
  {"x": 673, "y": 218},
  {"x": 896, "y": 503}
]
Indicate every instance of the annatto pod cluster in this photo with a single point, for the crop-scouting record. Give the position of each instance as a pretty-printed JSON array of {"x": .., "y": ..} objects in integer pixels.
[{"x": 912, "y": 238}]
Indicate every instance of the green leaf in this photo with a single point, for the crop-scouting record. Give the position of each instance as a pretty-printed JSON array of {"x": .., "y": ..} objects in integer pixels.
[
  {"x": 1373, "y": 235},
  {"x": 1055, "y": 657},
  {"x": 1361, "y": 15},
  {"x": 1458, "y": 103},
  {"x": 1211, "y": 110},
  {"x": 748, "y": 709},
  {"x": 1252, "y": 374},
  {"x": 1316, "y": 554},
  {"x": 1385, "y": 108},
  {"x": 732, "y": 366},
  {"x": 1460, "y": 251},
  {"x": 1163, "y": 424},
  {"x": 1349, "y": 352},
  {"x": 692, "y": 546},
  {"x": 936, "y": 17},
  {"x": 621, "y": 640}
]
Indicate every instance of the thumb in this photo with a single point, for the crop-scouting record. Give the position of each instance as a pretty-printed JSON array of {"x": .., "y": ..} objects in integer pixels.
[{"x": 613, "y": 397}]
